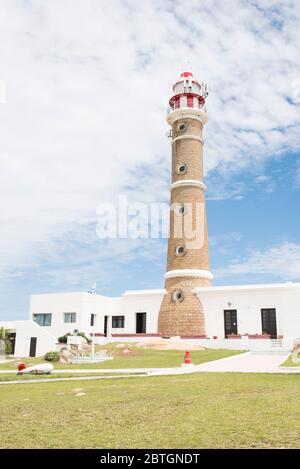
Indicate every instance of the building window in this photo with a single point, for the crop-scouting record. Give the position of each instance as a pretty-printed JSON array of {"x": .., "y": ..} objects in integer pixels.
[
  {"x": 93, "y": 319},
  {"x": 181, "y": 168},
  {"x": 181, "y": 209},
  {"x": 182, "y": 127},
  {"x": 42, "y": 319},
  {"x": 69, "y": 317},
  {"x": 177, "y": 296},
  {"x": 118, "y": 321},
  {"x": 180, "y": 250}
]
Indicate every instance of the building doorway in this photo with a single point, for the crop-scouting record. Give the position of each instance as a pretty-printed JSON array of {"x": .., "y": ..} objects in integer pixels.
[
  {"x": 140, "y": 323},
  {"x": 268, "y": 322},
  {"x": 32, "y": 348},
  {"x": 105, "y": 325},
  {"x": 12, "y": 339},
  {"x": 230, "y": 322}
]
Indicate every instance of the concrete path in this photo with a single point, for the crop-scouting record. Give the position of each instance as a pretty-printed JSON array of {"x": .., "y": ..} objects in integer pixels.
[
  {"x": 244, "y": 363},
  {"x": 249, "y": 363}
]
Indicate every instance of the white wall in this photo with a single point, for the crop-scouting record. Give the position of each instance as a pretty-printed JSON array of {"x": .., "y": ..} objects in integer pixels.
[
  {"x": 248, "y": 300},
  {"x": 83, "y": 304},
  {"x": 27, "y": 329},
  {"x": 144, "y": 301}
]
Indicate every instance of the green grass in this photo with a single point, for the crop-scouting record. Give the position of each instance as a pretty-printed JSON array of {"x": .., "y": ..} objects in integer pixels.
[
  {"x": 139, "y": 358},
  {"x": 14, "y": 377},
  {"x": 204, "y": 410},
  {"x": 290, "y": 361}
]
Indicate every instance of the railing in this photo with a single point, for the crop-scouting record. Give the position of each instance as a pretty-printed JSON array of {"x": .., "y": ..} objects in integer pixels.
[{"x": 170, "y": 109}]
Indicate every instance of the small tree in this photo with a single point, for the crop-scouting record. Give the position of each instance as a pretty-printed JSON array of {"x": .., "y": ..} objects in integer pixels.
[{"x": 5, "y": 343}]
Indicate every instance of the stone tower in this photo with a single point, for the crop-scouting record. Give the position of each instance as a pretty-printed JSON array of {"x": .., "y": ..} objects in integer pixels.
[{"x": 181, "y": 312}]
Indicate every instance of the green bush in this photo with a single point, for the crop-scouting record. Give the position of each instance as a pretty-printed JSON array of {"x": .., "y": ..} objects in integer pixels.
[
  {"x": 52, "y": 356},
  {"x": 63, "y": 339}
]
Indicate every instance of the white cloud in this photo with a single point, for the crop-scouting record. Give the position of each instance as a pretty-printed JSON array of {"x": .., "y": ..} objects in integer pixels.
[
  {"x": 280, "y": 262},
  {"x": 87, "y": 85}
]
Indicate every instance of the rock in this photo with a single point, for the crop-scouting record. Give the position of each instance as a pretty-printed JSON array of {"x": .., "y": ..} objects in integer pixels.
[
  {"x": 66, "y": 355},
  {"x": 86, "y": 348},
  {"x": 126, "y": 351},
  {"x": 62, "y": 360},
  {"x": 120, "y": 345}
]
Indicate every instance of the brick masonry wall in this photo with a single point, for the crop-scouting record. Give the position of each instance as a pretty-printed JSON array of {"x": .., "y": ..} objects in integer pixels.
[{"x": 186, "y": 318}]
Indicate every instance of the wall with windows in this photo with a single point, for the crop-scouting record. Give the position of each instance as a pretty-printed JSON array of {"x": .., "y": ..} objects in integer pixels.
[
  {"x": 71, "y": 311},
  {"x": 249, "y": 300},
  {"x": 141, "y": 301}
]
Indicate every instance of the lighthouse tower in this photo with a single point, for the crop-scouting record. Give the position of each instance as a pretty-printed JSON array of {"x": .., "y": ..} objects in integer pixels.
[{"x": 181, "y": 312}]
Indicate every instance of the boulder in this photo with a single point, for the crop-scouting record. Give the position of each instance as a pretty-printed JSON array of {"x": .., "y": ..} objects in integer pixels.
[{"x": 66, "y": 355}]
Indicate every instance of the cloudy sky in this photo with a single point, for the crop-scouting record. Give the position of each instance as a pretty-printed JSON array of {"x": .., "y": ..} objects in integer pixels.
[{"x": 84, "y": 87}]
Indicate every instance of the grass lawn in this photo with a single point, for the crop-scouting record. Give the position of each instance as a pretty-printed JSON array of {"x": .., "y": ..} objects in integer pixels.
[
  {"x": 209, "y": 410},
  {"x": 13, "y": 377},
  {"x": 290, "y": 361},
  {"x": 139, "y": 358}
]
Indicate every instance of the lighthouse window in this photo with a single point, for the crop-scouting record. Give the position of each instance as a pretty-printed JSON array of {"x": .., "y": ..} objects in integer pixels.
[
  {"x": 177, "y": 296},
  {"x": 181, "y": 169},
  {"x": 182, "y": 127},
  {"x": 180, "y": 250},
  {"x": 181, "y": 210}
]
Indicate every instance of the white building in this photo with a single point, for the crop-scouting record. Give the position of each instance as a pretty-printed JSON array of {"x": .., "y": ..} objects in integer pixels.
[
  {"x": 250, "y": 311},
  {"x": 231, "y": 316}
]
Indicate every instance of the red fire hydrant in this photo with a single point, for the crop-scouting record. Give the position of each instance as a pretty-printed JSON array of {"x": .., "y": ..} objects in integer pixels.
[
  {"x": 187, "y": 358},
  {"x": 21, "y": 366}
]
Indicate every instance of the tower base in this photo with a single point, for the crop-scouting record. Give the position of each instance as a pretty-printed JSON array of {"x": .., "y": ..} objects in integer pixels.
[{"x": 182, "y": 316}]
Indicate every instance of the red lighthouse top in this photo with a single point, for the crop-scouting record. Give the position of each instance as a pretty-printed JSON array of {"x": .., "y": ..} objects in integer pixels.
[
  {"x": 188, "y": 92},
  {"x": 186, "y": 74}
]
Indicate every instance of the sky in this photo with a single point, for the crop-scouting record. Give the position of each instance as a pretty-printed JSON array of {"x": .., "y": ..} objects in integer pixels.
[{"x": 84, "y": 88}]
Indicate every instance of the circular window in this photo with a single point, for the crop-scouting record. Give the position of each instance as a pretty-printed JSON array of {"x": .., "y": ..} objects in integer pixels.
[
  {"x": 182, "y": 127},
  {"x": 180, "y": 250},
  {"x": 177, "y": 296},
  {"x": 181, "y": 168},
  {"x": 181, "y": 210}
]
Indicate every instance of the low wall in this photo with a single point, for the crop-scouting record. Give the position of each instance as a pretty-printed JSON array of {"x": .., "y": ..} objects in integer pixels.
[{"x": 27, "y": 329}]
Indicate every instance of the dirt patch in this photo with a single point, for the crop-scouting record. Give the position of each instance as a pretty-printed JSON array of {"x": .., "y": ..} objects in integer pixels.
[{"x": 174, "y": 343}]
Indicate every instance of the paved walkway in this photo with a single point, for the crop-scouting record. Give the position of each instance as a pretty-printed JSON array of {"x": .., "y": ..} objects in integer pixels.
[
  {"x": 243, "y": 363},
  {"x": 249, "y": 363}
]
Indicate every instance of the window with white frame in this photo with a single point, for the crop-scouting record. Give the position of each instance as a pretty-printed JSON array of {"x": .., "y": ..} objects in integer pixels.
[
  {"x": 118, "y": 322},
  {"x": 42, "y": 319},
  {"x": 69, "y": 317}
]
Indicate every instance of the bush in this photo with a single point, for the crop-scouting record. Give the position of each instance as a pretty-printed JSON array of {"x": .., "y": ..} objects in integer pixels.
[
  {"x": 52, "y": 356},
  {"x": 63, "y": 339}
]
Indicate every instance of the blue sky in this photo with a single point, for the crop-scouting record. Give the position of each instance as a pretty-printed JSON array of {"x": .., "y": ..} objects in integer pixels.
[{"x": 83, "y": 120}]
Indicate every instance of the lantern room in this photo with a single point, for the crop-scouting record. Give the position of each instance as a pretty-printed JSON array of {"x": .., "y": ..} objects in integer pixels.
[{"x": 188, "y": 93}]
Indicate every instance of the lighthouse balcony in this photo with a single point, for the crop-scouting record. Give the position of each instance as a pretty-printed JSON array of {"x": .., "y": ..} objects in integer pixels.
[
  {"x": 186, "y": 100},
  {"x": 175, "y": 108}
]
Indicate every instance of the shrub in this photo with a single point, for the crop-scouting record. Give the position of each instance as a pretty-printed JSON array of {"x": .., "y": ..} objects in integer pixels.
[
  {"x": 52, "y": 356},
  {"x": 63, "y": 339}
]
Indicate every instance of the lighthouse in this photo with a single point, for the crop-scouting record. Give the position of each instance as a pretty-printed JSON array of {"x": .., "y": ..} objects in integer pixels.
[{"x": 188, "y": 267}]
